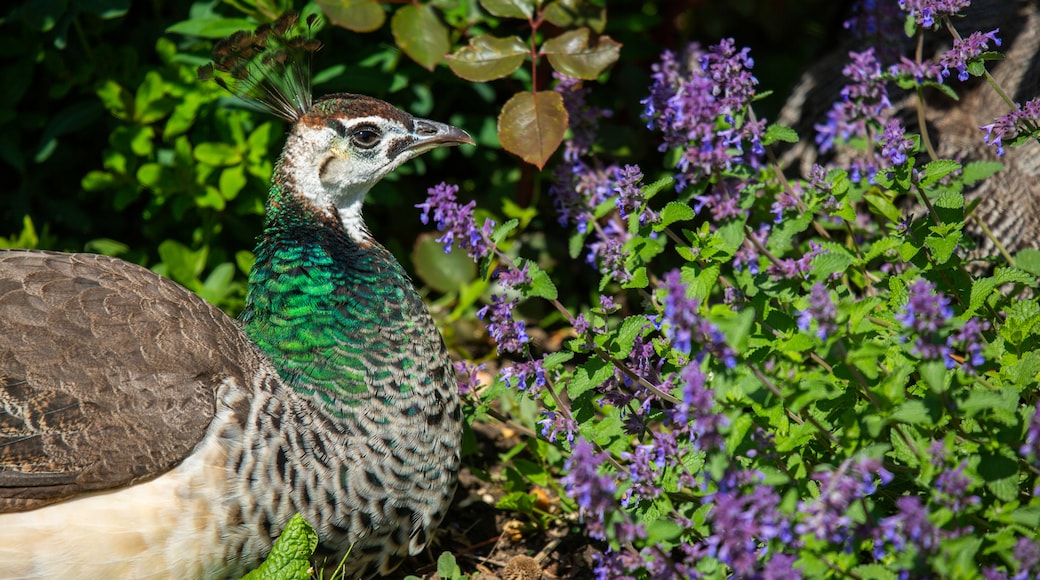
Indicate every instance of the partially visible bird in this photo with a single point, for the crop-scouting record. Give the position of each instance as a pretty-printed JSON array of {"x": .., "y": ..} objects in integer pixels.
[{"x": 144, "y": 434}]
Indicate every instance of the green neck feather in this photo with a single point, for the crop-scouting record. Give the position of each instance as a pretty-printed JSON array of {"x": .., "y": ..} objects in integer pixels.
[{"x": 330, "y": 312}]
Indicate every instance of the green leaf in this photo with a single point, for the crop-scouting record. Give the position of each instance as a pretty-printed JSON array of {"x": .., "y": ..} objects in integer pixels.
[
  {"x": 232, "y": 180},
  {"x": 571, "y": 53},
  {"x": 913, "y": 412},
  {"x": 290, "y": 557},
  {"x": 217, "y": 153},
  {"x": 116, "y": 99},
  {"x": 211, "y": 27},
  {"x": 356, "y": 15},
  {"x": 420, "y": 34},
  {"x": 566, "y": 14},
  {"x": 487, "y": 58},
  {"x": 1000, "y": 473},
  {"x": 502, "y": 230},
  {"x": 532, "y": 125},
  {"x": 631, "y": 328},
  {"x": 938, "y": 169},
  {"x": 444, "y": 272},
  {"x": 555, "y": 359},
  {"x": 589, "y": 376},
  {"x": 181, "y": 264},
  {"x": 1029, "y": 260},
  {"x": 943, "y": 247},
  {"x": 976, "y": 171},
  {"x": 781, "y": 133},
  {"x": 541, "y": 285},
  {"x": 509, "y": 8},
  {"x": 675, "y": 211}
]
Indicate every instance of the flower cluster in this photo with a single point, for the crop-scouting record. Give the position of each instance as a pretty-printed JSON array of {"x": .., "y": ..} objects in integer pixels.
[
  {"x": 926, "y": 12},
  {"x": 593, "y": 492},
  {"x": 456, "y": 221},
  {"x": 821, "y": 310},
  {"x": 630, "y": 200},
  {"x": 968, "y": 339},
  {"x": 926, "y": 313},
  {"x": 894, "y": 143},
  {"x": 685, "y": 326},
  {"x": 510, "y": 335},
  {"x": 699, "y": 104},
  {"x": 1024, "y": 119},
  {"x": 827, "y": 516},
  {"x": 909, "y": 526},
  {"x": 865, "y": 102},
  {"x": 796, "y": 269},
  {"x": 743, "y": 520},
  {"x": 966, "y": 50}
]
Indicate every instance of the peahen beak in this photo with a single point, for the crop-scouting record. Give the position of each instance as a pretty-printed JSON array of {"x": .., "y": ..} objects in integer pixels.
[{"x": 431, "y": 134}]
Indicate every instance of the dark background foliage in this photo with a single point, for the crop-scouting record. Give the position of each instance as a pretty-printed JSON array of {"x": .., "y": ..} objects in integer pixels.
[{"x": 73, "y": 165}]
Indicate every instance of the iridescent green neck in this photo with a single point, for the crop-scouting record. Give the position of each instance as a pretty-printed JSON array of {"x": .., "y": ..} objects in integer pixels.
[{"x": 320, "y": 303}]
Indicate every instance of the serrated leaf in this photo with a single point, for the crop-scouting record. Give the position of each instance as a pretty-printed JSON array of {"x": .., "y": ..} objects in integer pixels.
[
  {"x": 487, "y": 58},
  {"x": 1029, "y": 260},
  {"x": 626, "y": 336},
  {"x": 555, "y": 359},
  {"x": 654, "y": 188},
  {"x": 912, "y": 412},
  {"x": 356, "y": 15},
  {"x": 1000, "y": 473},
  {"x": 420, "y": 34},
  {"x": 532, "y": 125},
  {"x": 781, "y": 133},
  {"x": 571, "y": 53},
  {"x": 501, "y": 231},
  {"x": 976, "y": 171},
  {"x": 942, "y": 247},
  {"x": 589, "y": 376},
  {"x": 509, "y": 8},
  {"x": 541, "y": 285},
  {"x": 674, "y": 211},
  {"x": 938, "y": 169},
  {"x": 290, "y": 556}
]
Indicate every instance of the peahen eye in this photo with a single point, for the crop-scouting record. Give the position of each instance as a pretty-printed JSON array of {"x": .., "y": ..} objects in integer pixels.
[{"x": 365, "y": 137}]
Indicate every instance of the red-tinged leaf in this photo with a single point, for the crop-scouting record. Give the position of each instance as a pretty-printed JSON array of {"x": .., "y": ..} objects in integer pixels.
[
  {"x": 356, "y": 15},
  {"x": 574, "y": 13},
  {"x": 419, "y": 33},
  {"x": 509, "y": 8},
  {"x": 532, "y": 125},
  {"x": 487, "y": 58},
  {"x": 571, "y": 54}
]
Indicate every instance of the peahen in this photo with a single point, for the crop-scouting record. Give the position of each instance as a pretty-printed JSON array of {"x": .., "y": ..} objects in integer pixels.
[{"x": 144, "y": 434}]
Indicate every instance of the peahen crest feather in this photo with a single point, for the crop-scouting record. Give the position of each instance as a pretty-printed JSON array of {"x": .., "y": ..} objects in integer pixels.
[{"x": 269, "y": 67}]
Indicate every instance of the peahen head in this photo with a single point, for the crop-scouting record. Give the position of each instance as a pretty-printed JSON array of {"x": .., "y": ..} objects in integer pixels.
[{"x": 340, "y": 145}]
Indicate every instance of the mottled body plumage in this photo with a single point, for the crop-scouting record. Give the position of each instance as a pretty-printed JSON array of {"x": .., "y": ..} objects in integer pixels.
[{"x": 143, "y": 433}]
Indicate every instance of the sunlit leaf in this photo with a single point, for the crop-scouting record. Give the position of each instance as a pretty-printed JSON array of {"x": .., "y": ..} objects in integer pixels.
[
  {"x": 571, "y": 53},
  {"x": 444, "y": 272},
  {"x": 531, "y": 125},
  {"x": 356, "y": 15},
  {"x": 420, "y": 34},
  {"x": 487, "y": 58},
  {"x": 572, "y": 13},
  {"x": 509, "y": 8}
]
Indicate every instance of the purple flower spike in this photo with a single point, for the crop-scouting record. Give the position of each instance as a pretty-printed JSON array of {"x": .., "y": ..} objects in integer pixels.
[{"x": 456, "y": 221}]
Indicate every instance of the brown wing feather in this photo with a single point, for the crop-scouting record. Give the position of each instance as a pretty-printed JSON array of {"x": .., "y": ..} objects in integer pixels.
[{"x": 108, "y": 374}]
